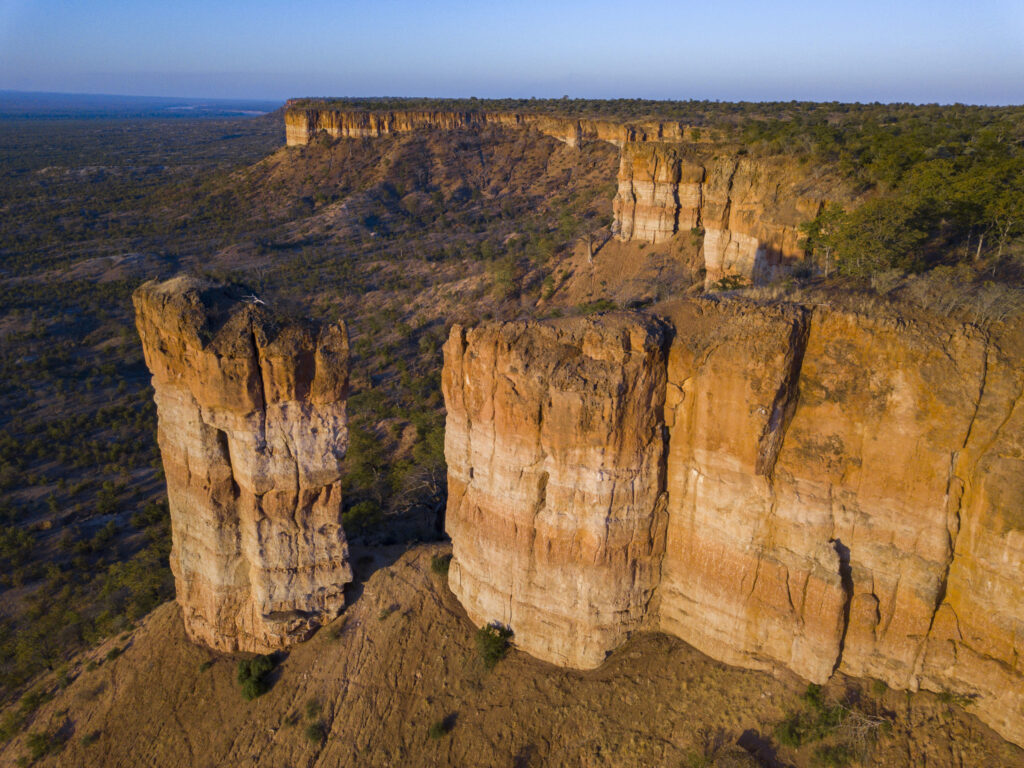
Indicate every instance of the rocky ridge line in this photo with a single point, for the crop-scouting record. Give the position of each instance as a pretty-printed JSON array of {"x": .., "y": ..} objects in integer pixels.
[{"x": 746, "y": 211}]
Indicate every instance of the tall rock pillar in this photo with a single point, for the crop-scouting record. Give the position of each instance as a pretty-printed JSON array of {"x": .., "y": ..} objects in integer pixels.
[{"x": 252, "y": 430}]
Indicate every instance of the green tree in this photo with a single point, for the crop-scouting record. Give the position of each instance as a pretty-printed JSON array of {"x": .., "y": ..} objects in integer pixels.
[
  {"x": 881, "y": 234},
  {"x": 821, "y": 234}
]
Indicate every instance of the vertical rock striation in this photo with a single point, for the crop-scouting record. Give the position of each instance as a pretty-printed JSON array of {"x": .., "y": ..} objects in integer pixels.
[
  {"x": 305, "y": 119},
  {"x": 749, "y": 210},
  {"x": 659, "y": 193},
  {"x": 252, "y": 429},
  {"x": 816, "y": 488},
  {"x": 729, "y": 586},
  {"x": 555, "y": 479},
  {"x": 975, "y": 643}
]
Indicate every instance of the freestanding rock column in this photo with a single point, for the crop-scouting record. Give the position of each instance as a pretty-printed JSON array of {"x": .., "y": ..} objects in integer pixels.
[{"x": 252, "y": 429}]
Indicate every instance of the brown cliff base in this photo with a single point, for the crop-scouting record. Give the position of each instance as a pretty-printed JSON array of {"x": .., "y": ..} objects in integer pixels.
[{"x": 252, "y": 429}]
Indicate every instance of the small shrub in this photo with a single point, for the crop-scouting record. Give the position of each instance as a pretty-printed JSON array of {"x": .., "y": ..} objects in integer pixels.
[
  {"x": 813, "y": 724},
  {"x": 315, "y": 733},
  {"x": 113, "y": 653},
  {"x": 442, "y": 727},
  {"x": 788, "y": 732},
  {"x": 439, "y": 564},
  {"x": 91, "y": 737},
  {"x": 492, "y": 643},
  {"x": 600, "y": 305},
  {"x": 948, "y": 697},
  {"x": 312, "y": 709},
  {"x": 206, "y": 665},
  {"x": 41, "y": 744},
  {"x": 252, "y": 676},
  {"x": 437, "y": 730},
  {"x": 729, "y": 283}
]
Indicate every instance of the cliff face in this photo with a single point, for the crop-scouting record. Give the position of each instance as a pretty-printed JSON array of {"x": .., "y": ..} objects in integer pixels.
[
  {"x": 302, "y": 125},
  {"x": 555, "y": 479},
  {"x": 728, "y": 588},
  {"x": 252, "y": 428},
  {"x": 749, "y": 209},
  {"x": 842, "y": 494}
]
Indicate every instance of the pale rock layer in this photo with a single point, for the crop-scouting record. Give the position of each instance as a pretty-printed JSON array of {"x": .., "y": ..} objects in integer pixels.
[
  {"x": 816, "y": 488},
  {"x": 304, "y": 122},
  {"x": 252, "y": 429}
]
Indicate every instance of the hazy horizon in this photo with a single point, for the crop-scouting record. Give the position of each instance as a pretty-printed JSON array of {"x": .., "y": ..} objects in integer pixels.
[
  {"x": 938, "y": 52},
  {"x": 273, "y": 103}
]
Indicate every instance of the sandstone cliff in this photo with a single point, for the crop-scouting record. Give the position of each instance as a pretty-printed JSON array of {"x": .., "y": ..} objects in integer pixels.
[
  {"x": 842, "y": 492},
  {"x": 747, "y": 210},
  {"x": 556, "y": 503},
  {"x": 303, "y": 123},
  {"x": 252, "y": 429}
]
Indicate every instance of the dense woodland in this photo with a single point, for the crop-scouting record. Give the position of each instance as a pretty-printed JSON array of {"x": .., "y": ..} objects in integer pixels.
[{"x": 367, "y": 231}]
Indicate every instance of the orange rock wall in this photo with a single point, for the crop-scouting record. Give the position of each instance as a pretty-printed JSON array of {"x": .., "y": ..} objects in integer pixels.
[
  {"x": 748, "y": 211},
  {"x": 302, "y": 125},
  {"x": 252, "y": 429},
  {"x": 555, "y": 482},
  {"x": 841, "y": 492}
]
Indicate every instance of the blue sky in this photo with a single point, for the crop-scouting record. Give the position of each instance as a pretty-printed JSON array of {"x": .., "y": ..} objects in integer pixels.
[{"x": 917, "y": 51}]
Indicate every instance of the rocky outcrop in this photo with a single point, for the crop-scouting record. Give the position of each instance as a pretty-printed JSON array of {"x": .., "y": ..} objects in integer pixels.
[
  {"x": 555, "y": 479},
  {"x": 727, "y": 588},
  {"x": 252, "y": 429},
  {"x": 747, "y": 211},
  {"x": 659, "y": 193},
  {"x": 841, "y": 492}
]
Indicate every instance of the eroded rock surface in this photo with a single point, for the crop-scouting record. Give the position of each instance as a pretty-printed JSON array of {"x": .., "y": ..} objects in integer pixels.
[
  {"x": 842, "y": 492},
  {"x": 555, "y": 479},
  {"x": 305, "y": 119},
  {"x": 252, "y": 429},
  {"x": 747, "y": 211}
]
